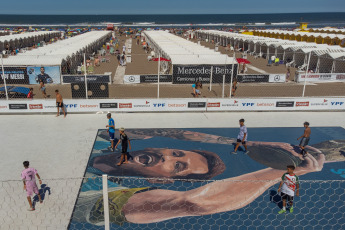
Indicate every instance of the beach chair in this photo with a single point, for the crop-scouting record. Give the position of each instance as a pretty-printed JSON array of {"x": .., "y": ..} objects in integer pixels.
[
  {"x": 258, "y": 55},
  {"x": 276, "y": 62},
  {"x": 290, "y": 64},
  {"x": 302, "y": 67},
  {"x": 269, "y": 62},
  {"x": 90, "y": 69},
  {"x": 112, "y": 50}
]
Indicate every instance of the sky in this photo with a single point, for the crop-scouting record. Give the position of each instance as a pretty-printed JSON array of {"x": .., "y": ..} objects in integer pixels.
[{"x": 169, "y": 7}]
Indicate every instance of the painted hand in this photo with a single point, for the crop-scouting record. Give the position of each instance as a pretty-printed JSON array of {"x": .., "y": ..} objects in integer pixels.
[{"x": 311, "y": 164}]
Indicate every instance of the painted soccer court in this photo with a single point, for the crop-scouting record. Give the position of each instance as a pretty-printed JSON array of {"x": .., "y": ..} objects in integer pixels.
[{"x": 60, "y": 150}]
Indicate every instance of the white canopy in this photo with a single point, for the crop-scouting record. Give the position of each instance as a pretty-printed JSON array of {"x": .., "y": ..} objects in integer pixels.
[
  {"x": 184, "y": 52},
  {"x": 55, "y": 53},
  {"x": 26, "y": 35}
]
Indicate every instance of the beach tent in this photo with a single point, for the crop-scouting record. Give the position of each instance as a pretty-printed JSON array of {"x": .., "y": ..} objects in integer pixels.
[
  {"x": 61, "y": 53},
  {"x": 17, "y": 40}
]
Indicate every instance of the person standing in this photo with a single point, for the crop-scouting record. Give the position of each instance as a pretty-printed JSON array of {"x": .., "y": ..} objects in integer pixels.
[
  {"x": 305, "y": 138},
  {"x": 111, "y": 131},
  {"x": 287, "y": 187},
  {"x": 59, "y": 104},
  {"x": 118, "y": 58},
  {"x": 234, "y": 87},
  {"x": 123, "y": 59},
  {"x": 125, "y": 142},
  {"x": 30, "y": 186},
  {"x": 288, "y": 74},
  {"x": 242, "y": 137}
]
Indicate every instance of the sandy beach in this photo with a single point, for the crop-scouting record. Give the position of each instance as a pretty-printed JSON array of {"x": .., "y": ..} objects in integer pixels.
[{"x": 141, "y": 65}]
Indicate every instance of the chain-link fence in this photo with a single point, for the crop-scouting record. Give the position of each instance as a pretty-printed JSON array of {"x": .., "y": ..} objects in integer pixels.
[
  {"x": 141, "y": 203},
  {"x": 129, "y": 67}
]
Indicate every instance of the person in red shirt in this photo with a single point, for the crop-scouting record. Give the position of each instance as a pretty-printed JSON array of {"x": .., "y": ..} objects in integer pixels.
[{"x": 31, "y": 94}]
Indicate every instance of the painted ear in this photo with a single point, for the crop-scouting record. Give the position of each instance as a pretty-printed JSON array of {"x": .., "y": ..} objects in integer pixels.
[{"x": 160, "y": 181}]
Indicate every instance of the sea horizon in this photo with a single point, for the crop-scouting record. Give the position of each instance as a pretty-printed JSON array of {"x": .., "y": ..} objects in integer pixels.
[{"x": 318, "y": 19}]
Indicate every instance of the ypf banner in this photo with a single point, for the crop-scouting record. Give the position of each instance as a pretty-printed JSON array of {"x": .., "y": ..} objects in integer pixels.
[{"x": 15, "y": 75}]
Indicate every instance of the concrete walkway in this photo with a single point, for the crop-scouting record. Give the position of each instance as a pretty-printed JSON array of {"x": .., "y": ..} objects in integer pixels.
[{"x": 120, "y": 71}]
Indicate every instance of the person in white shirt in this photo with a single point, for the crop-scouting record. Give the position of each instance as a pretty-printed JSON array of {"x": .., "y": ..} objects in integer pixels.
[
  {"x": 242, "y": 137},
  {"x": 124, "y": 48},
  {"x": 287, "y": 188}
]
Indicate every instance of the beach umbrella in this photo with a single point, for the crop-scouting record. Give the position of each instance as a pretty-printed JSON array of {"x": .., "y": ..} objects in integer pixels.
[{"x": 242, "y": 60}]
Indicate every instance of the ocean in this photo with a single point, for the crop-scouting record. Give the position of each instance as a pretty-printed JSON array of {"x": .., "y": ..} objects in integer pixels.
[{"x": 193, "y": 20}]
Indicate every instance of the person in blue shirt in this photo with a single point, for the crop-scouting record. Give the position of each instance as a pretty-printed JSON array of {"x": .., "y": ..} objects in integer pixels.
[{"x": 111, "y": 130}]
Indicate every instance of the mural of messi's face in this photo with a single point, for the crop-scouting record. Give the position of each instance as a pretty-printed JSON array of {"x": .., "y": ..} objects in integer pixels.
[{"x": 167, "y": 163}]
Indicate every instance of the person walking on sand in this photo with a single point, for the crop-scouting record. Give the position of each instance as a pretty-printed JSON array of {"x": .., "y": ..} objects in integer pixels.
[
  {"x": 242, "y": 137},
  {"x": 125, "y": 143},
  {"x": 59, "y": 104},
  {"x": 288, "y": 74},
  {"x": 30, "y": 186},
  {"x": 234, "y": 87},
  {"x": 305, "y": 138}
]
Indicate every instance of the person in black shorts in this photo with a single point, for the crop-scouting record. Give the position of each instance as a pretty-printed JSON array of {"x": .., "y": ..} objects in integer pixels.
[
  {"x": 125, "y": 143},
  {"x": 59, "y": 104}
]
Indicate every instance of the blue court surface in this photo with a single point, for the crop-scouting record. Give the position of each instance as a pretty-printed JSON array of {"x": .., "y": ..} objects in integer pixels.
[{"x": 189, "y": 179}]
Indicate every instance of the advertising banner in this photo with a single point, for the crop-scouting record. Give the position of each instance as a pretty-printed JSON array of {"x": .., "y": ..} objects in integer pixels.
[
  {"x": 184, "y": 74},
  {"x": 249, "y": 78},
  {"x": 15, "y": 75},
  {"x": 277, "y": 78},
  {"x": 154, "y": 78},
  {"x": 48, "y": 74},
  {"x": 320, "y": 77},
  {"x": 291, "y": 104},
  {"x": 90, "y": 78},
  {"x": 131, "y": 79},
  {"x": 174, "y": 105}
]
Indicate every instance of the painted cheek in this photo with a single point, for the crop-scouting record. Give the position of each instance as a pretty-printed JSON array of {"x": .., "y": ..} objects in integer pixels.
[{"x": 165, "y": 169}]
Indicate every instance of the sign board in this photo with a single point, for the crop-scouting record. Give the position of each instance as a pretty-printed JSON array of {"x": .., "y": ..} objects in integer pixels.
[
  {"x": 90, "y": 78},
  {"x": 189, "y": 74},
  {"x": 177, "y": 105},
  {"x": 320, "y": 77}
]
